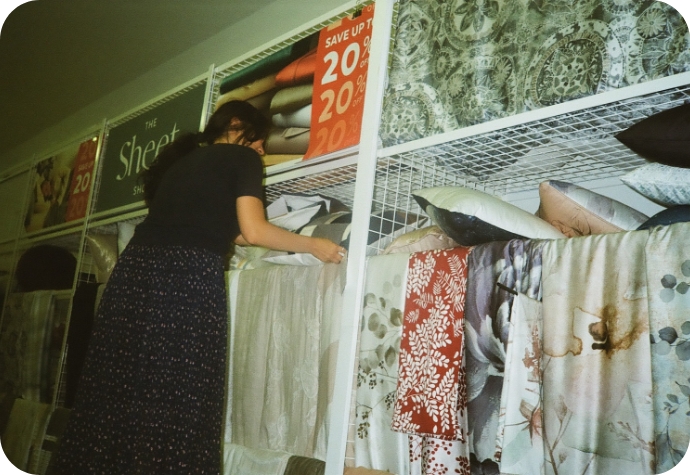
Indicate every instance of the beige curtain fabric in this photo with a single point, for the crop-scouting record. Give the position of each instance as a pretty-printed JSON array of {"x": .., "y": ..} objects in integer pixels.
[{"x": 284, "y": 348}]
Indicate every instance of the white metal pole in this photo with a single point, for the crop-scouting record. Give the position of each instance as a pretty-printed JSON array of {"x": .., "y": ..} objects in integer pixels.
[{"x": 361, "y": 212}]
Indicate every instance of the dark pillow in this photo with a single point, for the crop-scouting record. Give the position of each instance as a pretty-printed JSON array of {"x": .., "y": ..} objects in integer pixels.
[
  {"x": 663, "y": 137},
  {"x": 674, "y": 214}
]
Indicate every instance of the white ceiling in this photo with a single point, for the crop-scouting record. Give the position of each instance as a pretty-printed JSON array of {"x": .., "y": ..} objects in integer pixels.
[{"x": 52, "y": 61}]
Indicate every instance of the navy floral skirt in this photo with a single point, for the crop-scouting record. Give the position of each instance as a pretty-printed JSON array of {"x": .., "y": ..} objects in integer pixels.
[{"x": 151, "y": 396}]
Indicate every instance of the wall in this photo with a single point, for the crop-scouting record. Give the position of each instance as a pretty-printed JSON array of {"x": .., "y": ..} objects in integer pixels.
[{"x": 224, "y": 47}]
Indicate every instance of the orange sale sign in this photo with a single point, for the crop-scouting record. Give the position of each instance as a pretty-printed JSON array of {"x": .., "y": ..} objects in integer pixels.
[
  {"x": 339, "y": 83},
  {"x": 81, "y": 180}
]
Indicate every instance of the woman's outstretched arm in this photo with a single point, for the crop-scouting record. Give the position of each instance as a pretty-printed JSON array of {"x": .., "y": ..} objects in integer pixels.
[{"x": 256, "y": 230}]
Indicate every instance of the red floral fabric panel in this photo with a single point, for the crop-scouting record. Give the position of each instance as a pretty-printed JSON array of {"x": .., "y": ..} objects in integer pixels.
[{"x": 430, "y": 397}]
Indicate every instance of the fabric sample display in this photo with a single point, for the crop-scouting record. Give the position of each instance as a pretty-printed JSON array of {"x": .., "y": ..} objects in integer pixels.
[
  {"x": 597, "y": 374},
  {"x": 473, "y": 217},
  {"x": 299, "y": 71},
  {"x": 270, "y": 64},
  {"x": 660, "y": 183},
  {"x": 248, "y": 91},
  {"x": 430, "y": 387},
  {"x": 520, "y": 428},
  {"x": 293, "y": 140},
  {"x": 376, "y": 445},
  {"x": 663, "y": 137},
  {"x": 497, "y": 271},
  {"x": 667, "y": 265},
  {"x": 291, "y": 99},
  {"x": 29, "y": 367},
  {"x": 284, "y": 347},
  {"x": 431, "y": 402},
  {"x": 297, "y": 118},
  {"x": 240, "y": 460},
  {"x": 456, "y": 64},
  {"x": 576, "y": 211}
]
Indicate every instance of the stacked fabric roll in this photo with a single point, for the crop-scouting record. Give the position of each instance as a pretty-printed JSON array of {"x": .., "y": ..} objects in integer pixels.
[{"x": 281, "y": 86}]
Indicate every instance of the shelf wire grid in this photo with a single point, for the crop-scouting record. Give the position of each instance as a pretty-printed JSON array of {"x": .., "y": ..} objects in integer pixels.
[
  {"x": 338, "y": 183},
  {"x": 574, "y": 147}
]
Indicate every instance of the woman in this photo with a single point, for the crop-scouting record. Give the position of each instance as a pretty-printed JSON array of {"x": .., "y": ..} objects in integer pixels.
[{"x": 151, "y": 396}]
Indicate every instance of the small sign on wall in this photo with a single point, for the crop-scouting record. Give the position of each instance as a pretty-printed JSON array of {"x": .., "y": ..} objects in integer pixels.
[
  {"x": 61, "y": 186},
  {"x": 132, "y": 146}
]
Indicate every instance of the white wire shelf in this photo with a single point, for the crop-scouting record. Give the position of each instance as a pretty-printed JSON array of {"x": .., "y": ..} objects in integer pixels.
[{"x": 575, "y": 145}]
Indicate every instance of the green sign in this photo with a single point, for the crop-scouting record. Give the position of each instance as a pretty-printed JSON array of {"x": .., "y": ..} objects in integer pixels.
[{"x": 132, "y": 146}]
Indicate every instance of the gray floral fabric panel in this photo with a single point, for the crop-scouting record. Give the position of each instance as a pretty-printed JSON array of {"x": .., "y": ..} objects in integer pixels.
[
  {"x": 461, "y": 62},
  {"x": 498, "y": 271}
]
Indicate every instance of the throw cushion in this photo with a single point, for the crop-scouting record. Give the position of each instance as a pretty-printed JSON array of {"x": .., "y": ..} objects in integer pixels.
[
  {"x": 576, "y": 211},
  {"x": 472, "y": 217}
]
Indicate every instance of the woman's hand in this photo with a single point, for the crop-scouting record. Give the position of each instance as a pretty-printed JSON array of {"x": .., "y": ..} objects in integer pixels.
[
  {"x": 326, "y": 250},
  {"x": 256, "y": 231}
]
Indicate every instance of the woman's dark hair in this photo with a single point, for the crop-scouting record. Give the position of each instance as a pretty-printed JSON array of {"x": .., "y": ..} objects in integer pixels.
[{"x": 250, "y": 123}]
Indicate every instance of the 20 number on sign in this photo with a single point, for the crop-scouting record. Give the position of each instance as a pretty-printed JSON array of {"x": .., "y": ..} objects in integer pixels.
[{"x": 340, "y": 84}]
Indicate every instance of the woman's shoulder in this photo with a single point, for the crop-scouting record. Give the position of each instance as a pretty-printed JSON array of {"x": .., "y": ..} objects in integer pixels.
[
  {"x": 230, "y": 158},
  {"x": 227, "y": 150}
]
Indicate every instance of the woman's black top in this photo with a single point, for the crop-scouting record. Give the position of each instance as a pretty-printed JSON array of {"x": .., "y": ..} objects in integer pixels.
[{"x": 196, "y": 201}]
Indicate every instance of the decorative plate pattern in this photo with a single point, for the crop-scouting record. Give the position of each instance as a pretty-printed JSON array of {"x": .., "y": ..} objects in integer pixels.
[
  {"x": 486, "y": 59},
  {"x": 577, "y": 61}
]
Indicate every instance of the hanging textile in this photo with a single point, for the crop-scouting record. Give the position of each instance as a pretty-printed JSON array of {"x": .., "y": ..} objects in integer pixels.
[
  {"x": 497, "y": 272},
  {"x": 520, "y": 424},
  {"x": 376, "y": 445},
  {"x": 597, "y": 375},
  {"x": 463, "y": 62},
  {"x": 28, "y": 352},
  {"x": 430, "y": 401},
  {"x": 239, "y": 460},
  {"x": 284, "y": 348},
  {"x": 667, "y": 263}
]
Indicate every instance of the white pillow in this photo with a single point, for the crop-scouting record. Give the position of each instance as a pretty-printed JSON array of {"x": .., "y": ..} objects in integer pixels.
[
  {"x": 662, "y": 184},
  {"x": 473, "y": 217}
]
